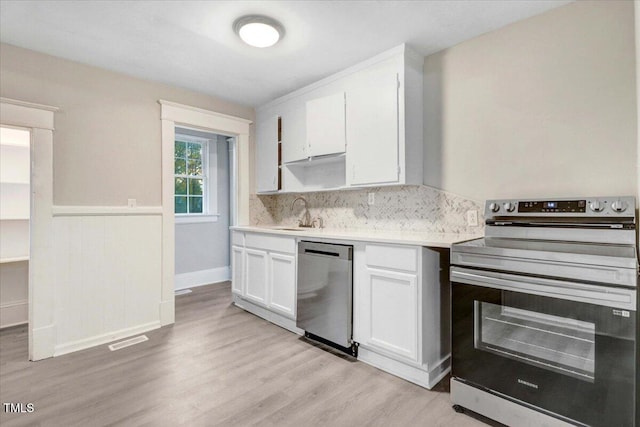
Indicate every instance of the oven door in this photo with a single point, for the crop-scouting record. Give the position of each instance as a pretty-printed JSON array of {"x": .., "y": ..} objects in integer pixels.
[{"x": 566, "y": 348}]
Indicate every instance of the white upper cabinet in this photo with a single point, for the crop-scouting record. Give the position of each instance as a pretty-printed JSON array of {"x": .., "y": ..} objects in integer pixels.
[
  {"x": 384, "y": 122},
  {"x": 371, "y": 111},
  {"x": 372, "y": 130},
  {"x": 326, "y": 125},
  {"x": 294, "y": 141},
  {"x": 267, "y": 155}
]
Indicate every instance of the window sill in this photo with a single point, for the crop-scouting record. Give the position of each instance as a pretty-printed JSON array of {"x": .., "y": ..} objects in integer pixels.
[{"x": 193, "y": 219}]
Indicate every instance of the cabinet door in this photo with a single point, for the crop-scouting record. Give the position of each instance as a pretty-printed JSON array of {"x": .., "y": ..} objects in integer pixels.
[
  {"x": 294, "y": 142},
  {"x": 326, "y": 125},
  {"x": 256, "y": 275},
  {"x": 373, "y": 125},
  {"x": 237, "y": 270},
  {"x": 267, "y": 155},
  {"x": 388, "y": 308},
  {"x": 282, "y": 284}
]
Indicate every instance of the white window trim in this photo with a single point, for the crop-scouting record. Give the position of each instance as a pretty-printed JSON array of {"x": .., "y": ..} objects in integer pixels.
[
  {"x": 196, "y": 218},
  {"x": 210, "y": 182}
]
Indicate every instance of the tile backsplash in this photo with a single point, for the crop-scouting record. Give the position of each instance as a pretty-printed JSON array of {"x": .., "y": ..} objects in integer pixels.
[{"x": 401, "y": 208}]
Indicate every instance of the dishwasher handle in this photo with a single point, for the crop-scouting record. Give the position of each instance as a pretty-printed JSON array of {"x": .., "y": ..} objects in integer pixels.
[
  {"x": 317, "y": 252},
  {"x": 328, "y": 250}
]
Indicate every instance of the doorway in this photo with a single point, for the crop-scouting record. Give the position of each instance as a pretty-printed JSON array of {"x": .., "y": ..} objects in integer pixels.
[
  {"x": 175, "y": 117},
  {"x": 203, "y": 171},
  {"x": 15, "y": 213}
]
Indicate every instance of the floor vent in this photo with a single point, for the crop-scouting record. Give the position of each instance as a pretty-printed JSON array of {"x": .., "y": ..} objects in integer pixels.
[
  {"x": 129, "y": 342},
  {"x": 183, "y": 291}
]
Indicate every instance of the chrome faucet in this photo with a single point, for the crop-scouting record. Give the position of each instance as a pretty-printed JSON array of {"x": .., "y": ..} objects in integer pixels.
[{"x": 306, "y": 220}]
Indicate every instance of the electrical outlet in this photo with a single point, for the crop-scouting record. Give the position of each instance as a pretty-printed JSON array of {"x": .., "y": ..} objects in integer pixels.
[
  {"x": 131, "y": 203},
  {"x": 371, "y": 199},
  {"x": 472, "y": 218}
]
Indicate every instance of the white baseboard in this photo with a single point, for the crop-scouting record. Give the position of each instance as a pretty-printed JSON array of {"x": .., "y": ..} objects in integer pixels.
[
  {"x": 167, "y": 312},
  {"x": 104, "y": 338},
  {"x": 272, "y": 317},
  {"x": 202, "y": 277},
  {"x": 405, "y": 371},
  {"x": 42, "y": 342},
  {"x": 14, "y": 313}
]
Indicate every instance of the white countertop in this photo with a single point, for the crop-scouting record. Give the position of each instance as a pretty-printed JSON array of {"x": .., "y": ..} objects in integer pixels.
[{"x": 418, "y": 238}]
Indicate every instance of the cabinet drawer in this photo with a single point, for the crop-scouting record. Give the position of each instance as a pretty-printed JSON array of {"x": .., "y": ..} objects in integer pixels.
[
  {"x": 237, "y": 238},
  {"x": 271, "y": 243},
  {"x": 394, "y": 257}
]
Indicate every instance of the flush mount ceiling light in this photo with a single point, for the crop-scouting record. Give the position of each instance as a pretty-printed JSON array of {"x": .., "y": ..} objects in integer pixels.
[{"x": 258, "y": 30}]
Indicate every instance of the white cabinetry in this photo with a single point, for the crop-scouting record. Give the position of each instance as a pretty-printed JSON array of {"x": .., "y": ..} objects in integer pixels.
[
  {"x": 256, "y": 275},
  {"x": 326, "y": 125},
  {"x": 384, "y": 126},
  {"x": 397, "y": 291},
  {"x": 264, "y": 275},
  {"x": 237, "y": 269},
  {"x": 267, "y": 155},
  {"x": 294, "y": 143},
  {"x": 282, "y": 284},
  {"x": 372, "y": 112}
]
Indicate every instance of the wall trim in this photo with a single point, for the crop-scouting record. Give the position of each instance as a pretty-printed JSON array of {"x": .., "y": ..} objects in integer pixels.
[
  {"x": 172, "y": 114},
  {"x": 59, "y": 210},
  {"x": 14, "y": 313},
  {"x": 202, "y": 277},
  {"x": 39, "y": 119},
  {"x": 82, "y": 344}
]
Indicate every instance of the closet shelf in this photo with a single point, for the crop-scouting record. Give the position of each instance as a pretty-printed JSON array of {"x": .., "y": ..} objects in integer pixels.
[{"x": 14, "y": 259}]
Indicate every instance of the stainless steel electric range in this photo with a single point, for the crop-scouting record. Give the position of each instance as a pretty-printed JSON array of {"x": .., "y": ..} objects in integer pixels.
[{"x": 544, "y": 313}]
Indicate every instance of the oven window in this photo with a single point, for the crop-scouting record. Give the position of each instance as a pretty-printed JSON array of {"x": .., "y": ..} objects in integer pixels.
[{"x": 554, "y": 343}]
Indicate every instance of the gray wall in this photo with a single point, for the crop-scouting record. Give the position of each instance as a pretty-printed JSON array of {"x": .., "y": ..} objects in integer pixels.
[
  {"x": 107, "y": 143},
  {"x": 543, "y": 107},
  {"x": 205, "y": 246}
]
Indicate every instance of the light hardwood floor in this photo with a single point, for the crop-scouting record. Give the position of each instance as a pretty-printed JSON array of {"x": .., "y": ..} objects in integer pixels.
[{"x": 218, "y": 365}]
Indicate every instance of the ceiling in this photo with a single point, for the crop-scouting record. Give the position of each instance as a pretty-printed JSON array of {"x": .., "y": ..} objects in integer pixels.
[{"x": 191, "y": 44}]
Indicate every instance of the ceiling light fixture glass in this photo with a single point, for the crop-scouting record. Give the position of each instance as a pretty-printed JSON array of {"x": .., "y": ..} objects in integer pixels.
[{"x": 258, "y": 30}]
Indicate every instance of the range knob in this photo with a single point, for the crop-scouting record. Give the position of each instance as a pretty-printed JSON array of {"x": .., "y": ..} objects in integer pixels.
[
  {"x": 596, "y": 206},
  {"x": 509, "y": 206},
  {"x": 619, "y": 206},
  {"x": 494, "y": 207}
]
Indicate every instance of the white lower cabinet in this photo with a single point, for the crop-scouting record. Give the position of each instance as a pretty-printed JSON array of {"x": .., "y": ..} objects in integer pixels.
[
  {"x": 264, "y": 274},
  {"x": 396, "y": 307},
  {"x": 256, "y": 275},
  {"x": 237, "y": 269},
  {"x": 389, "y": 305},
  {"x": 282, "y": 284}
]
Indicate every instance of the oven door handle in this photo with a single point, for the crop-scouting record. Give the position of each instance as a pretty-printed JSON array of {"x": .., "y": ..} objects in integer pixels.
[{"x": 581, "y": 292}]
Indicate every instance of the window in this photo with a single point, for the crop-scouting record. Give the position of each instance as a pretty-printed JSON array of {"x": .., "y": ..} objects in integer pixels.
[{"x": 190, "y": 169}]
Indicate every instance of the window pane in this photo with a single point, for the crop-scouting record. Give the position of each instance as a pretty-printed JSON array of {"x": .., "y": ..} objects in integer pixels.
[
  {"x": 195, "y": 167},
  {"x": 195, "y": 204},
  {"x": 180, "y": 166},
  {"x": 180, "y": 186},
  {"x": 181, "y": 149},
  {"x": 181, "y": 204},
  {"x": 195, "y": 187},
  {"x": 194, "y": 151}
]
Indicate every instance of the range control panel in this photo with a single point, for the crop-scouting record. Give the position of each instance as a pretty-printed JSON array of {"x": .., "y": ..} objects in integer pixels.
[
  {"x": 579, "y": 207},
  {"x": 553, "y": 206}
]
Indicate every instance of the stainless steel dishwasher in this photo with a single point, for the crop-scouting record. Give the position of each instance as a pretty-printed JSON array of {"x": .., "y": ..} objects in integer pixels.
[{"x": 325, "y": 289}]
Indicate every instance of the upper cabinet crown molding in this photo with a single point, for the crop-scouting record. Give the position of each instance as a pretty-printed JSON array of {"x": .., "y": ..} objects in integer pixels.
[{"x": 402, "y": 49}]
